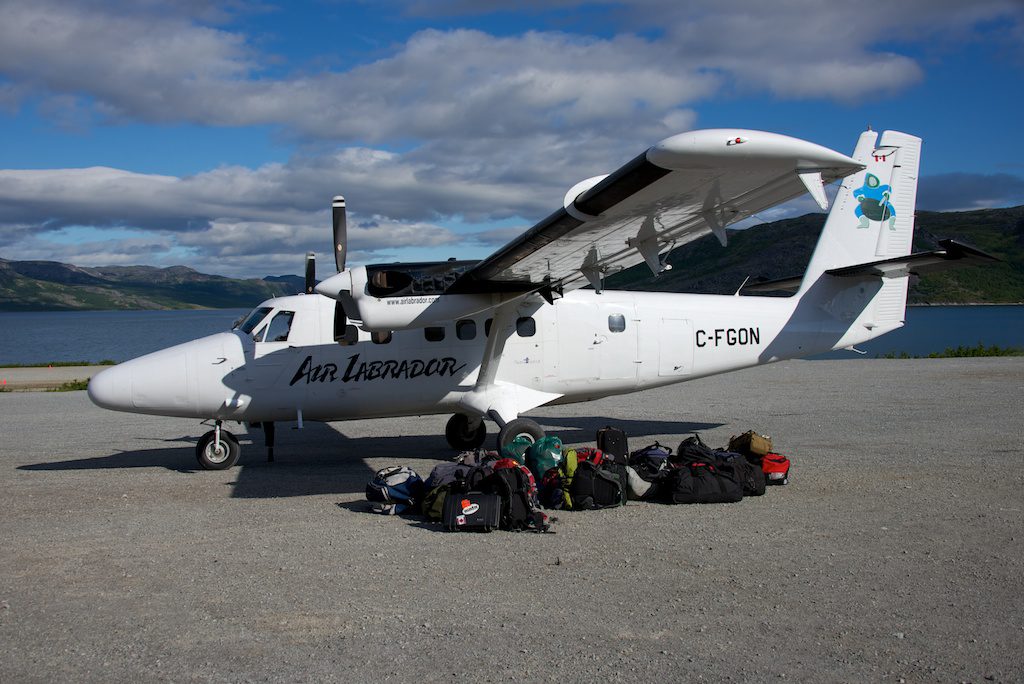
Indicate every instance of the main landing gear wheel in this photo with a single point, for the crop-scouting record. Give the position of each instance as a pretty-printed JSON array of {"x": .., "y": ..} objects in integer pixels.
[
  {"x": 460, "y": 436},
  {"x": 520, "y": 427},
  {"x": 211, "y": 457}
]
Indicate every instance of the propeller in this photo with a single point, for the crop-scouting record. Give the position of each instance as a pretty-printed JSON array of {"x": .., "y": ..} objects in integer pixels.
[
  {"x": 339, "y": 223},
  {"x": 310, "y": 272}
]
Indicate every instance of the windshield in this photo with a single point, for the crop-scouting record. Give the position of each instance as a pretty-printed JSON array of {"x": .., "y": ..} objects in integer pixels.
[{"x": 250, "y": 322}]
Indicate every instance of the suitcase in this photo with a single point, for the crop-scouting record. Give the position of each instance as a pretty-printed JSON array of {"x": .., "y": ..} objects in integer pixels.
[
  {"x": 471, "y": 512},
  {"x": 613, "y": 442}
]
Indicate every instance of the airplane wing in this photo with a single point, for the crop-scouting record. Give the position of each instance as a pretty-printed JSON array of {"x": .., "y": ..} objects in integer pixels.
[{"x": 679, "y": 190}]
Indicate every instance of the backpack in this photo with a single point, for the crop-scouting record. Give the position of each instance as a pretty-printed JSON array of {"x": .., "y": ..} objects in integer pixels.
[
  {"x": 394, "y": 490},
  {"x": 690, "y": 450},
  {"x": 446, "y": 473},
  {"x": 432, "y": 506},
  {"x": 613, "y": 442},
  {"x": 587, "y": 485},
  {"x": 477, "y": 457},
  {"x": 650, "y": 461}
]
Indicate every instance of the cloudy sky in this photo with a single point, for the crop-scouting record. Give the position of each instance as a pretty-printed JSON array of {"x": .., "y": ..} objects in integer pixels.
[{"x": 214, "y": 134}]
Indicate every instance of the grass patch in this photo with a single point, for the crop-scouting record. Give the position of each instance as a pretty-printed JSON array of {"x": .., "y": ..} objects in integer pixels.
[
  {"x": 960, "y": 352},
  {"x": 71, "y": 386}
]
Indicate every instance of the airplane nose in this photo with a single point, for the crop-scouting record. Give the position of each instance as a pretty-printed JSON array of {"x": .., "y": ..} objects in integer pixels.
[{"x": 112, "y": 388}]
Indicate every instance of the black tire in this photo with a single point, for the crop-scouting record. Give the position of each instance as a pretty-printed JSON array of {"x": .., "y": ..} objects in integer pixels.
[
  {"x": 459, "y": 435},
  {"x": 520, "y": 427},
  {"x": 208, "y": 456}
]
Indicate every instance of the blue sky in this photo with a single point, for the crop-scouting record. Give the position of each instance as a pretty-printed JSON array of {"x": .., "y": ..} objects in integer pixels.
[{"x": 214, "y": 134}]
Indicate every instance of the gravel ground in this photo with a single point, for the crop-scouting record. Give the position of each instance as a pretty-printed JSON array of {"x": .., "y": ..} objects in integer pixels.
[{"x": 894, "y": 554}]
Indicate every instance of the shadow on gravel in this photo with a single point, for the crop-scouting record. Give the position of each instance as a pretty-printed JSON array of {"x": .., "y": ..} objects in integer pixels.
[
  {"x": 585, "y": 429},
  {"x": 321, "y": 459}
]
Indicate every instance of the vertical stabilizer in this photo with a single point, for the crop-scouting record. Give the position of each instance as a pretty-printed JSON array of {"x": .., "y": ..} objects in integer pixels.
[
  {"x": 873, "y": 214},
  {"x": 872, "y": 218}
]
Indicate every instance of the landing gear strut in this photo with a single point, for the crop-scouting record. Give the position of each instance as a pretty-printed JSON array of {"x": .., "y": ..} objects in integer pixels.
[
  {"x": 462, "y": 434},
  {"x": 218, "y": 449}
]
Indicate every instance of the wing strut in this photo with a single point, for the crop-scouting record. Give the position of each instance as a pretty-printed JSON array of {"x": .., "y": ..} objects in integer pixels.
[{"x": 501, "y": 401}]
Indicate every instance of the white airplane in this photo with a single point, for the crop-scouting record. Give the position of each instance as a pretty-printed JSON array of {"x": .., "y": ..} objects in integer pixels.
[{"x": 494, "y": 339}]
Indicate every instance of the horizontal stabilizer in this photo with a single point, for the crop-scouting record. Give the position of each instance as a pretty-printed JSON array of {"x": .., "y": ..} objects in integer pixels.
[
  {"x": 952, "y": 255},
  {"x": 781, "y": 285}
]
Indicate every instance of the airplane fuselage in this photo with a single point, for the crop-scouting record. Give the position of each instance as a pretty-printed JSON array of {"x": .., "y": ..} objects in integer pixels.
[{"x": 582, "y": 347}]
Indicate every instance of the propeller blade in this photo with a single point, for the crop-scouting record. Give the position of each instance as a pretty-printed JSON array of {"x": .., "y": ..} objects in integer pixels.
[
  {"x": 310, "y": 272},
  {"x": 340, "y": 232}
]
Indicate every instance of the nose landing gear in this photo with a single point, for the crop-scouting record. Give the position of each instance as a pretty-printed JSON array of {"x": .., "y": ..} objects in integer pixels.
[{"x": 218, "y": 449}]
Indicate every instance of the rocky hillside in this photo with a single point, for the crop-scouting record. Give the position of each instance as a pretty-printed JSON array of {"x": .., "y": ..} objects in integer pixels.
[
  {"x": 52, "y": 286},
  {"x": 783, "y": 248}
]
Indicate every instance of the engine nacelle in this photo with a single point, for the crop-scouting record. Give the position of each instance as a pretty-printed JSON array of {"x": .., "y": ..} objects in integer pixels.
[{"x": 402, "y": 296}]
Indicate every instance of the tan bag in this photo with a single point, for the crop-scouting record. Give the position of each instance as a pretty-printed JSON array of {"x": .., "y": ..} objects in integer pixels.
[{"x": 751, "y": 444}]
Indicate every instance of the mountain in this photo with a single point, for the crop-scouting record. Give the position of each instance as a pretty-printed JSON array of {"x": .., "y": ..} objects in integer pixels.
[
  {"x": 773, "y": 250},
  {"x": 52, "y": 286},
  {"x": 783, "y": 248}
]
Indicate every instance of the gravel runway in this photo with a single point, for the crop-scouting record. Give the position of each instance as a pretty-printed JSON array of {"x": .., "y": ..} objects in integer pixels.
[{"x": 895, "y": 554}]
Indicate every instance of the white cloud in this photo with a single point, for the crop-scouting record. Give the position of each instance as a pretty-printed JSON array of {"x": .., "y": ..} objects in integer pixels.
[{"x": 488, "y": 127}]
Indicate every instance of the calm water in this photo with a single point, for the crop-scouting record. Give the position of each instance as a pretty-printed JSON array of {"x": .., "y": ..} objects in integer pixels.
[
  {"x": 43, "y": 336},
  {"x": 40, "y": 337}
]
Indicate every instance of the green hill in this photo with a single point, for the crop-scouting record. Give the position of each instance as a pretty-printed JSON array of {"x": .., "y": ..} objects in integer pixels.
[
  {"x": 783, "y": 248},
  {"x": 52, "y": 286}
]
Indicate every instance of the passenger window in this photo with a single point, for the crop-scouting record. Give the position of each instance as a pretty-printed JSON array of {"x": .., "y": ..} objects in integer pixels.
[
  {"x": 465, "y": 329},
  {"x": 279, "y": 327},
  {"x": 616, "y": 323},
  {"x": 381, "y": 337},
  {"x": 434, "y": 333},
  {"x": 526, "y": 327}
]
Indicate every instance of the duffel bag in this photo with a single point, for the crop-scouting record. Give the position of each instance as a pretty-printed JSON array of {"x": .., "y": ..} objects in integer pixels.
[
  {"x": 700, "y": 482},
  {"x": 776, "y": 468},
  {"x": 395, "y": 489},
  {"x": 751, "y": 443},
  {"x": 650, "y": 461},
  {"x": 751, "y": 477}
]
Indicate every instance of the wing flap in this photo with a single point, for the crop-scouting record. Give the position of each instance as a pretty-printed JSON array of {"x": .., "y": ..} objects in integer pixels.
[{"x": 677, "y": 191}]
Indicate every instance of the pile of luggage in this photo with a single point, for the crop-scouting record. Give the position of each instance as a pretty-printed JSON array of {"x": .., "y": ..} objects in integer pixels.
[{"x": 486, "y": 490}]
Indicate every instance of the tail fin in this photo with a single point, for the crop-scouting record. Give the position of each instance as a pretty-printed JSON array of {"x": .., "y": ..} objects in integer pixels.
[{"x": 872, "y": 218}]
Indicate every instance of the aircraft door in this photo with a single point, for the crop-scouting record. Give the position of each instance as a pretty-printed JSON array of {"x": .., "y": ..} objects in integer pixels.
[
  {"x": 675, "y": 349},
  {"x": 597, "y": 342},
  {"x": 616, "y": 342},
  {"x": 276, "y": 356}
]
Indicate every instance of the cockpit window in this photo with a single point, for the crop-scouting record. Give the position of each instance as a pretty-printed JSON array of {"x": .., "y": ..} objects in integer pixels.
[
  {"x": 279, "y": 327},
  {"x": 252, "y": 320}
]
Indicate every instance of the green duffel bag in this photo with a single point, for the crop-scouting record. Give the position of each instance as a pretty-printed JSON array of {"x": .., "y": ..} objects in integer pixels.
[
  {"x": 544, "y": 454},
  {"x": 516, "y": 449}
]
